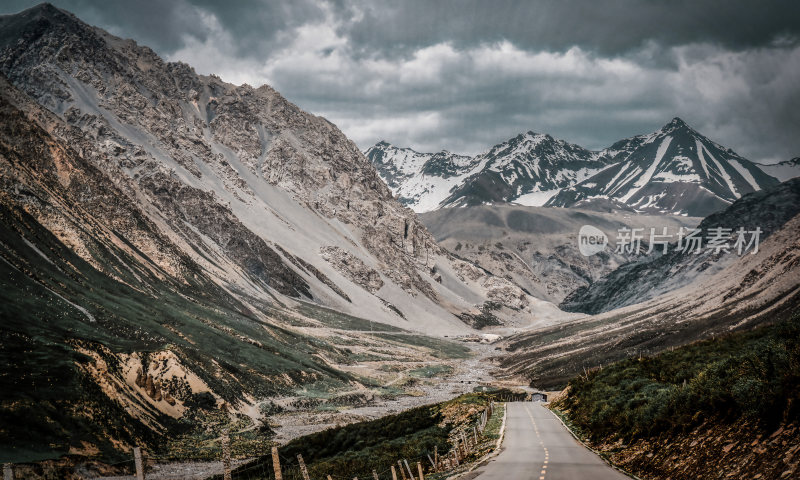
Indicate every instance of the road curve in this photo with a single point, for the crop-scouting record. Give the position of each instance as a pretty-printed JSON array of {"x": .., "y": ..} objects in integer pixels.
[{"x": 538, "y": 447}]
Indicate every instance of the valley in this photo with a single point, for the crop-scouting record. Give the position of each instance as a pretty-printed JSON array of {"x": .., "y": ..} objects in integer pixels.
[{"x": 205, "y": 270}]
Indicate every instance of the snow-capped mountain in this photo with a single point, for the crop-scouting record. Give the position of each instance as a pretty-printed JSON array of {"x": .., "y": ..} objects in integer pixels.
[
  {"x": 784, "y": 170},
  {"x": 419, "y": 180},
  {"x": 675, "y": 170},
  {"x": 672, "y": 170},
  {"x": 527, "y": 169}
]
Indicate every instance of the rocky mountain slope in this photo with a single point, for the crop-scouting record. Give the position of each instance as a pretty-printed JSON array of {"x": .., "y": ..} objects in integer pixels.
[
  {"x": 751, "y": 290},
  {"x": 527, "y": 169},
  {"x": 784, "y": 170},
  {"x": 537, "y": 247},
  {"x": 675, "y": 169},
  {"x": 245, "y": 181},
  {"x": 652, "y": 275},
  {"x": 168, "y": 235}
]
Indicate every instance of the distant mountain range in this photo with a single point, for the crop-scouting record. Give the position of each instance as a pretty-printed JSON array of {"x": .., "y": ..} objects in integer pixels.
[
  {"x": 673, "y": 170},
  {"x": 527, "y": 169}
]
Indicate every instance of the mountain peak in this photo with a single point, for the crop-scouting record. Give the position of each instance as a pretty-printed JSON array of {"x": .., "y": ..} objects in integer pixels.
[
  {"x": 672, "y": 170},
  {"x": 31, "y": 23},
  {"x": 42, "y": 10},
  {"x": 675, "y": 124}
]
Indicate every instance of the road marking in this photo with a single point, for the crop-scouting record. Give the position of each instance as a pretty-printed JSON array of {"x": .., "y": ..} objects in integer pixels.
[{"x": 541, "y": 443}]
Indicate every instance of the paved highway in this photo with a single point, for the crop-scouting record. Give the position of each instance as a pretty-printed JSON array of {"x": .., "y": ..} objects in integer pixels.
[{"x": 538, "y": 447}]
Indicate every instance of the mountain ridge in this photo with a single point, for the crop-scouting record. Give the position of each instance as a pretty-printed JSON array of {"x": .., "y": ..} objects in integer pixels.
[
  {"x": 674, "y": 169},
  {"x": 693, "y": 176},
  {"x": 172, "y": 243}
]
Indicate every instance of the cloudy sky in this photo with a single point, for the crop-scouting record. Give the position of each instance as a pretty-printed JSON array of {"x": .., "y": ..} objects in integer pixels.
[{"x": 463, "y": 75}]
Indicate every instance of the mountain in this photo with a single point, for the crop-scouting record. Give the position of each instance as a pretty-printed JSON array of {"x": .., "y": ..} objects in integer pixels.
[
  {"x": 749, "y": 290},
  {"x": 172, "y": 242},
  {"x": 784, "y": 170},
  {"x": 655, "y": 274},
  {"x": 419, "y": 180},
  {"x": 527, "y": 169},
  {"x": 537, "y": 247},
  {"x": 675, "y": 170}
]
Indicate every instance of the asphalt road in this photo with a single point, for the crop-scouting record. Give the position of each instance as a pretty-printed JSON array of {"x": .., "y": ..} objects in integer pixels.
[{"x": 538, "y": 447}]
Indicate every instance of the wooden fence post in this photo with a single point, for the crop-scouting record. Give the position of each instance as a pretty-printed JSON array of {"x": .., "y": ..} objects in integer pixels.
[
  {"x": 276, "y": 464},
  {"x": 375, "y": 475},
  {"x": 410, "y": 474},
  {"x": 475, "y": 434},
  {"x": 8, "y": 471},
  {"x": 402, "y": 472},
  {"x": 436, "y": 456},
  {"x": 137, "y": 462},
  {"x": 394, "y": 474},
  {"x": 226, "y": 455},
  {"x": 419, "y": 469},
  {"x": 329, "y": 477},
  {"x": 433, "y": 464},
  {"x": 303, "y": 469}
]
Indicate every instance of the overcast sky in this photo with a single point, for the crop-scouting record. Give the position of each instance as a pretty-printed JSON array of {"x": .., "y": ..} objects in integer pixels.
[{"x": 465, "y": 75}]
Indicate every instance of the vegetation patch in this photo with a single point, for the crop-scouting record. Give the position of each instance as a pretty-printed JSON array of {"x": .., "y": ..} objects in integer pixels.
[
  {"x": 430, "y": 371},
  {"x": 752, "y": 375},
  {"x": 710, "y": 405},
  {"x": 438, "y": 348},
  {"x": 357, "y": 449}
]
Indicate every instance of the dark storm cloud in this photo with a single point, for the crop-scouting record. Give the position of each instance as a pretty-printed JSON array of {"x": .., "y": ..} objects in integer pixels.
[
  {"x": 609, "y": 27},
  {"x": 465, "y": 74}
]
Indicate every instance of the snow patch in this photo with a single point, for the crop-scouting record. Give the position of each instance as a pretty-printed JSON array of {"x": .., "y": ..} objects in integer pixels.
[
  {"x": 648, "y": 174},
  {"x": 536, "y": 199}
]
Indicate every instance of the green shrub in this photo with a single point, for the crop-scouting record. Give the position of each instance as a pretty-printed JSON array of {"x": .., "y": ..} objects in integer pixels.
[{"x": 751, "y": 375}]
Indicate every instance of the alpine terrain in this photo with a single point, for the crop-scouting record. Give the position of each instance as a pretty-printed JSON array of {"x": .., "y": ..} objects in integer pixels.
[
  {"x": 172, "y": 242},
  {"x": 651, "y": 275},
  {"x": 207, "y": 274},
  {"x": 667, "y": 300},
  {"x": 527, "y": 169},
  {"x": 674, "y": 170}
]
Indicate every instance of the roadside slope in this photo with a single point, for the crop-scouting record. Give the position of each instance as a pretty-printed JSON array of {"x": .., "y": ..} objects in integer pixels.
[
  {"x": 755, "y": 289},
  {"x": 724, "y": 408}
]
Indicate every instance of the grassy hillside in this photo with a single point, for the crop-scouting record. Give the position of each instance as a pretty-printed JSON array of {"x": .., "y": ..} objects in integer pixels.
[
  {"x": 357, "y": 449},
  {"x": 720, "y": 393},
  {"x": 49, "y": 405}
]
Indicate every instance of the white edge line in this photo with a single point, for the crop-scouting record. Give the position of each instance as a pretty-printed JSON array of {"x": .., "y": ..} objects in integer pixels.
[
  {"x": 590, "y": 448},
  {"x": 491, "y": 454}
]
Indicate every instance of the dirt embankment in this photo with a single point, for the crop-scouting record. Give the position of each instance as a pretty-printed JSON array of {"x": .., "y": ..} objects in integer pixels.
[{"x": 711, "y": 450}]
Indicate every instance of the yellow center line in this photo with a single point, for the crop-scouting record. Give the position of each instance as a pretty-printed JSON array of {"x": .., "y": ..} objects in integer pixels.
[{"x": 541, "y": 442}]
